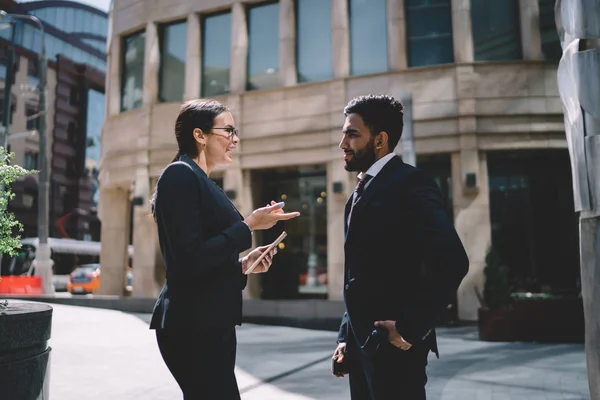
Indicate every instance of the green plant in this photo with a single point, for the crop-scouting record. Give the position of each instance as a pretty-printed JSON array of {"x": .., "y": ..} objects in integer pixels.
[
  {"x": 9, "y": 241},
  {"x": 496, "y": 289}
]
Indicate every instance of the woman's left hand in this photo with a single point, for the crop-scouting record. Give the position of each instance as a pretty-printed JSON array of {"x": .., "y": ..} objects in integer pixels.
[{"x": 254, "y": 254}]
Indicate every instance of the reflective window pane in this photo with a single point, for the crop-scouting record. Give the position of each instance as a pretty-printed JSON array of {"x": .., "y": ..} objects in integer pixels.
[
  {"x": 550, "y": 40},
  {"x": 173, "y": 41},
  {"x": 300, "y": 268},
  {"x": 496, "y": 34},
  {"x": 132, "y": 78},
  {"x": 313, "y": 40},
  {"x": 263, "y": 47},
  {"x": 429, "y": 30},
  {"x": 216, "y": 54},
  {"x": 94, "y": 121},
  {"x": 368, "y": 37}
]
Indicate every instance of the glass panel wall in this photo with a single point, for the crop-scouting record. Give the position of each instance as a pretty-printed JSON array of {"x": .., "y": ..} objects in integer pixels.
[
  {"x": 496, "y": 31},
  {"x": 173, "y": 42},
  {"x": 534, "y": 225},
  {"x": 300, "y": 267},
  {"x": 93, "y": 151},
  {"x": 368, "y": 37},
  {"x": 263, "y": 46},
  {"x": 313, "y": 36},
  {"x": 132, "y": 77},
  {"x": 216, "y": 54},
  {"x": 429, "y": 32}
]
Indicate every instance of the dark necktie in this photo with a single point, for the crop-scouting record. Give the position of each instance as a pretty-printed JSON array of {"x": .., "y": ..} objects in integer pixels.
[{"x": 360, "y": 187}]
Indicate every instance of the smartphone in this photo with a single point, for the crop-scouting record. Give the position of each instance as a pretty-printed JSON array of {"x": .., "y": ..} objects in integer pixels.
[{"x": 264, "y": 254}]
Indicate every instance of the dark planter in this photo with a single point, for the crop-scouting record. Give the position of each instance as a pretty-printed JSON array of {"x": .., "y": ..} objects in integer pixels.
[
  {"x": 496, "y": 324},
  {"x": 534, "y": 320},
  {"x": 24, "y": 353},
  {"x": 549, "y": 320}
]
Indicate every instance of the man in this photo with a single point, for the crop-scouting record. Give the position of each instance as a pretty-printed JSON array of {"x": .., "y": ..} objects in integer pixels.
[{"x": 403, "y": 259}]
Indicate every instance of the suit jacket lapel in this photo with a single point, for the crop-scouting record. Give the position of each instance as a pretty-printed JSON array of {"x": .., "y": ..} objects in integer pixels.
[
  {"x": 373, "y": 187},
  {"x": 346, "y": 214},
  {"x": 200, "y": 173}
]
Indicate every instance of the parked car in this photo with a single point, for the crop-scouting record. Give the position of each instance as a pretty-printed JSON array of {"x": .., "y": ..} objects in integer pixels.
[{"x": 86, "y": 279}]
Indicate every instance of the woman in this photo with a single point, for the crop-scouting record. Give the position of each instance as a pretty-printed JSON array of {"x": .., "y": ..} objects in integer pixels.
[{"x": 201, "y": 234}]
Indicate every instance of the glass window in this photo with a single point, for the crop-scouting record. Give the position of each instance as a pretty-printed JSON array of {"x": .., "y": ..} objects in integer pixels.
[
  {"x": 550, "y": 41},
  {"x": 132, "y": 76},
  {"x": 300, "y": 268},
  {"x": 173, "y": 41},
  {"x": 429, "y": 31},
  {"x": 525, "y": 188},
  {"x": 31, "y": 117},
  {"x": 368, "y": 37},
  {"x": 496, "y": 34},
  {"x": 30, "y": 161},
  {"x": 216, "y": 54},
  {"x": 94, "y": 121},
  {"x": 313, "y": 40},
  {"x": 263, "y": 46}
]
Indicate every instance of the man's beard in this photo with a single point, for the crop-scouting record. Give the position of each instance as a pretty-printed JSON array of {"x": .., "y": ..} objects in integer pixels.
[{"x": 362, "y": 159}]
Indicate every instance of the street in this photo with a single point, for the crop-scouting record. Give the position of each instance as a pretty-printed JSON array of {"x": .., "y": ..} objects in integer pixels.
[{"x": 102, "y": 354}]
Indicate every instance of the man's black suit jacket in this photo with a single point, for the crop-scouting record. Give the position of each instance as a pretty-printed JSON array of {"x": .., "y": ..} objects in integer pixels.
[
  {"x": 201, "y": 234},
  {"x": 404, "y": 260}
]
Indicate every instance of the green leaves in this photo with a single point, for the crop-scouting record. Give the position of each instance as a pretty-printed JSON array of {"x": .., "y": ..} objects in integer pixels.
[{"x": 8, "y": 224}]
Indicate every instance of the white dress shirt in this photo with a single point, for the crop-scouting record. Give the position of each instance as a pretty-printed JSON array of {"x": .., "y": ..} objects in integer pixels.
[{"x": 376, "y": 168}]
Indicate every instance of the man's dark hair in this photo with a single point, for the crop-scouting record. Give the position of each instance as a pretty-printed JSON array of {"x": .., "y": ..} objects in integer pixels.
[{"x": 379, "y": 113}]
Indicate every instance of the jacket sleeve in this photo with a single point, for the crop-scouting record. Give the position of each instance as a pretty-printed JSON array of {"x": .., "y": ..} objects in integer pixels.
[
  {"x": 343, "y": 331},
  {"x": 179, "y": 210},
  {"x": 445, "y": 261},
  {"x": 244, "y": 277}
]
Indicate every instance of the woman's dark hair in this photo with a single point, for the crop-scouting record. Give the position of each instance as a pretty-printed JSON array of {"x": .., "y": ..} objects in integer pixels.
[{"x": 199, "y": 113}]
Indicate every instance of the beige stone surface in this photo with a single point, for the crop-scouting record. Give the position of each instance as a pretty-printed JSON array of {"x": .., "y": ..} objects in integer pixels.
[{"x": 464, "y": 109}]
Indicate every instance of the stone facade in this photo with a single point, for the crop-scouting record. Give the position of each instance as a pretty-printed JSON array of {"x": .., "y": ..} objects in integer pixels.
[{"x": 463, "y": 109}]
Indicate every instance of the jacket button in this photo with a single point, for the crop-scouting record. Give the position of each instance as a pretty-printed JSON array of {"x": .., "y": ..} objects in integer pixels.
[{"x": 347, "y": 287}]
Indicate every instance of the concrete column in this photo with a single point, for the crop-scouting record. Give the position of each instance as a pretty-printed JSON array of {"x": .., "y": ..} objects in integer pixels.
[
  {"x": 147, "y": 277},
  {"x": 472, "y": 222},
  {"x": 246, "y": 205},
  {"x": 589, "y": 233},
  {"x": 151, "y": 65},
  {"x": 462, "y": 34},
  {"x": 193, "y": 63},
  {"x": 113, "y": 76},
  {"x": 288, "y": 72},
  {"x": 114, "y": 206},
  {"x": 340, "y": 38},
  {"x": 239, "y": 56},
  {"x": 531, "y": 40},
  {"x": 335, "y": 227},
  {"x": 396, "y": 35}
]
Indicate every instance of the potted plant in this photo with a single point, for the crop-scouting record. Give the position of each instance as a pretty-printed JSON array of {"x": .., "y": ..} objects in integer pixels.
[
  {"x": 496, "y": 321},
  {"x": 24, "y": 327}
]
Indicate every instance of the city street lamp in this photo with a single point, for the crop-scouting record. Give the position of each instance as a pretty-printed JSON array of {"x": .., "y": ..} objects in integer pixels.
[{"x": 42, "y": 262}]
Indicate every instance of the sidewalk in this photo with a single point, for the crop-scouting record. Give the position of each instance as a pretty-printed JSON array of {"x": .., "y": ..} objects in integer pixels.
[{"x": 102, "y": 354}]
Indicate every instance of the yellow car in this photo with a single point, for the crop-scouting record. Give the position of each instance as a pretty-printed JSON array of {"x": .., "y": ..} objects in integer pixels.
[{"x": 85, "y": 279}]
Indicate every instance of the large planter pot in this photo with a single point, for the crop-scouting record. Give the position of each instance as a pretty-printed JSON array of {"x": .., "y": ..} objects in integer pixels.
[
  {"x": 556, "y": 320},
  {"x": 24, "y": 353},
  {"x": 549, "y": 320},
  {"x": 496, "y": 324}
]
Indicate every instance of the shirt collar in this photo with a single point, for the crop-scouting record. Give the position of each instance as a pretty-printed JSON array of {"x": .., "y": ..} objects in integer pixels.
[{"x": 377, "y": 165}]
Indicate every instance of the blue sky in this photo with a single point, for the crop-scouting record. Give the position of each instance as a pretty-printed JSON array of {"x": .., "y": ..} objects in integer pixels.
[{"x": 101, "y": 4}]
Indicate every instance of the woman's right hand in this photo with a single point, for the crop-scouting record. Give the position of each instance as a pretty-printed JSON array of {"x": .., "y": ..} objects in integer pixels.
[{"x": 266, "y": 217}]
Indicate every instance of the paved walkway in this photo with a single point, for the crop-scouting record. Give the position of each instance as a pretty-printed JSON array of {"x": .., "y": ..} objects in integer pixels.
[{"x": 101, "y": 354}]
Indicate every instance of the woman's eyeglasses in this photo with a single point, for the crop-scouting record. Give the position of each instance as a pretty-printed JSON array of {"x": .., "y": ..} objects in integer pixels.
[{"x": 231, "y": 131}]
